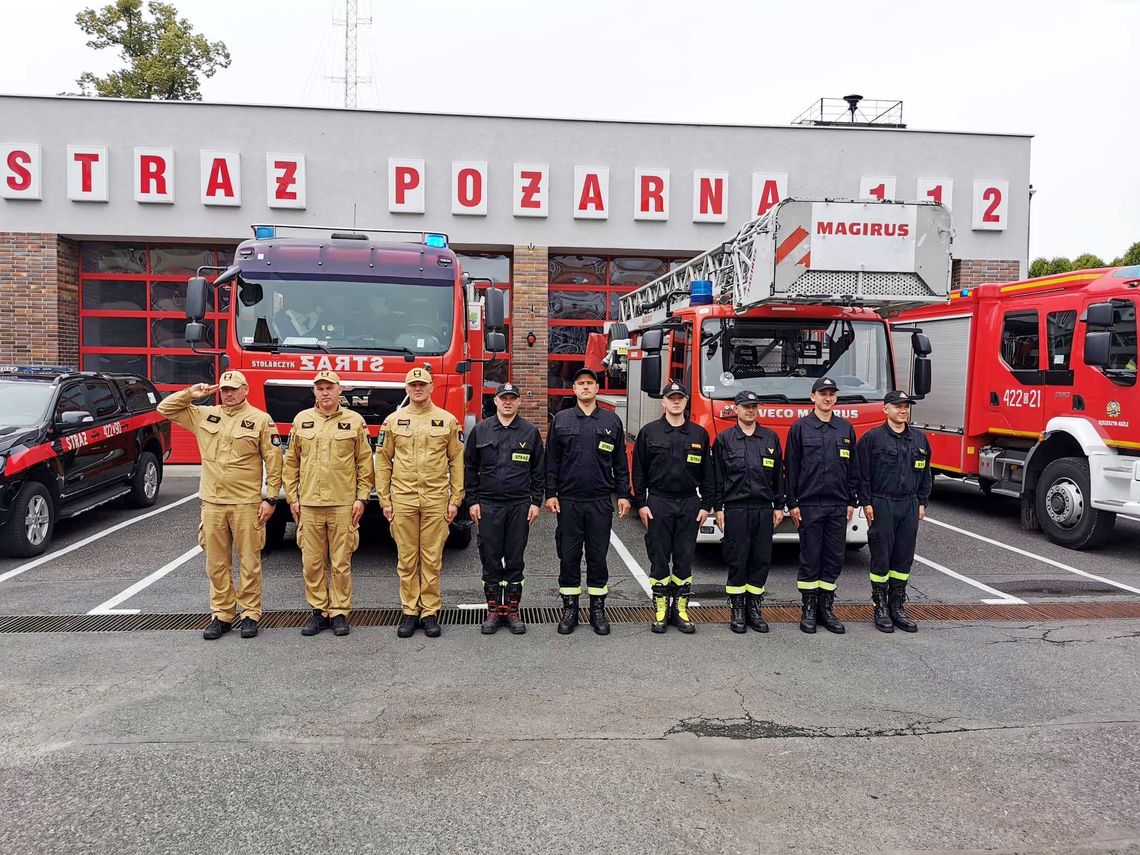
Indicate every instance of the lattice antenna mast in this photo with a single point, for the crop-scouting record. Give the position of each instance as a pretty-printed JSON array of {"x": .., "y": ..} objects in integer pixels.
[{"x": 351, "y": 23}]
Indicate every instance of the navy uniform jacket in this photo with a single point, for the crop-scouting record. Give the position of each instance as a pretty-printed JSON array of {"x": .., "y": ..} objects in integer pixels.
[
  {"x": 894, "y": 465},
  {"x": 673, "y": 462},
  {"x": 748, "y": 470},
  {"x": 585, "y": 456},
  {"x": 821, "y": 462},
  {"x": 504, "y": 463}
]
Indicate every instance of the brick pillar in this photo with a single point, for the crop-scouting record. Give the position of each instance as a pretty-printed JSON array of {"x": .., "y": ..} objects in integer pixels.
[
  {"x": 966, "y": 272},
  {"x": 39, "y": 310},
  {"x": 528, "y": 315}
]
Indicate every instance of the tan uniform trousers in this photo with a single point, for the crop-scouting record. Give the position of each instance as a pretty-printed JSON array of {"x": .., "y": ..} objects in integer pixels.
[
  {"x": 328, "y": 538},
  {"x": 419, "y": 528},
  {"x": 224, "y": 528}
]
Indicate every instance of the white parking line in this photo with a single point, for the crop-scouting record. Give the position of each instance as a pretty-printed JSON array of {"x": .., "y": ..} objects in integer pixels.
[
  {"x": 1036, "y": 557},
  {"x": 44, "y": 559},
  {"x": 631, "y": 563},
  {"x": 999, "y": 598},
  {"x": 108, "y": 608}
]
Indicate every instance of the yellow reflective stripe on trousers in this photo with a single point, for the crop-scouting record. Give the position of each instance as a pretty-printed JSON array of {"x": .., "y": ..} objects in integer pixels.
[
  {"x": 807, "y": 586},
  {"x": 570, "y": 592},
  {"x": 826, "y": 586},
  {"x": 658, "y": 583},
  {"x": 878, "y": 580},
  {"x": 753, "y": 589},
  {"x": 598, "y": 592},
  {"x": 894, "y": 574},
  {"x": 734, "y": 589},
  {"x": 678, "y": 581}
]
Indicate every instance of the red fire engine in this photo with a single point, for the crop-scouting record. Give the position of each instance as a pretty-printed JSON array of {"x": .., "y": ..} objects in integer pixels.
[
  {"x": 799, "y": 293},
  {"x": 365, "y": 303},
  {"x": 1034, "y": 395}
]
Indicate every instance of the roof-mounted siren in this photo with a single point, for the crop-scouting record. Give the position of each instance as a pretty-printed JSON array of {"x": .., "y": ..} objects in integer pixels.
[{"x": 853, "y": 104}]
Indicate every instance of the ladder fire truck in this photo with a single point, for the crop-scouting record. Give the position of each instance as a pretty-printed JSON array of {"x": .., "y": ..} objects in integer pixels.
[
  {"x": 1035, "y": 397},
  {"x": 799, "y": 293},
  {"x": 368, "y": 304}
]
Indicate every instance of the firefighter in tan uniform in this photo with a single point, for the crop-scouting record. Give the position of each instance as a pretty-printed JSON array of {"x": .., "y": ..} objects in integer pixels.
[
  {"x": 236, "y": 441},
  {"x": 419, "y": 479},
  {"x": 328, "y": 478}
]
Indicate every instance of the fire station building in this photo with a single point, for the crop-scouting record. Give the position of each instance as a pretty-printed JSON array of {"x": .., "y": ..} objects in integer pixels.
[{"x": 107, "y": 206}]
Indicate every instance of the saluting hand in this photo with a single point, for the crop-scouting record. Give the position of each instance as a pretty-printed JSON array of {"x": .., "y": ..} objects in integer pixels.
[
  {"x": 646, "y": 515},
  {"x": 202, "y": 390},
  {"x": 869, "y": 512},
  {"x": 532, "y": 513},
  {"x": 623, "y": 508}
]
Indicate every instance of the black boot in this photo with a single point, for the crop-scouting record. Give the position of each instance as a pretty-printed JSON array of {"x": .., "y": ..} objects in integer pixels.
[
  {"x": 807, "y": 613},
  {"x": 898, "y": 611},
  {"x": 662, "y": 608},
  {"x": 679, "y": 613},
  {"x": 431, "y": 626},
  {"x": 883, "y": 622},
  {"x": 598, "y": 615},
  {"x": 509, "y": 613},
  {"x": 248, "y": 628},
  {"x": 827, "y": 616},
  {"x": 408, "y": 624},
  {"x": 739, "y": 621},
  {"x": 569, "y": 614},
  {"x": 216, "y": 629},
  {"x": 339, "y": 625},
  {"x": 755, "y": 619},
  {"x": 317, "y": 622},
  {"x": 494, "y": 619}
]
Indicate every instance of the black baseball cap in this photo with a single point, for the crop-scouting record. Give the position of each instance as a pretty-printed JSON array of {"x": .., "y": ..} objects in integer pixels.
[
  {"x": 747, "y": 397},
  {"x": 507, "y": 389},
  {"x": 824, "y": 383},
  {"x": 897, "y": 397},
  {"x": 584, "y": 370},
  {"x": 675, "y": 388}
]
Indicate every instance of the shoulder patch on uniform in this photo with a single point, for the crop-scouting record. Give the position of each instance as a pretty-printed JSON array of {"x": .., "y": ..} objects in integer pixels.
[
  {"x": 846, "y": 440},
  {"x": 275, "y": 439},
  {"x": 215, "y": 418},
  {"x": 771, "y": 451},
  {"x": 307, "y": 424},
  {"x": 522, "y": 443},
  {"x": 403, "y": 422},
  {"x": 247, "y": 424},
  {"x": 695, "y": 444},
  {"x": 344, "y": 425},
  {"x": 437, "y": 422}
]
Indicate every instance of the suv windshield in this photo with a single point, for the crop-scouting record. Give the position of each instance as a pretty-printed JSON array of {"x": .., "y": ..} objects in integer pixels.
[
  {"x": 23, "y": 404},
  {"x": 339, "y": 315},
  {"x": 781, "y": 359}
]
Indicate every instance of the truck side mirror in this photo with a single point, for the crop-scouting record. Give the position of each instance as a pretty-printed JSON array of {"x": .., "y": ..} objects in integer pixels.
[
  {"x": 494, "y": 310},
  {"x": 1098, "y": 315},
  {"x": 651, "y": 341},
  {"x": 651, "y": 374},
  {"x": 920, "y": 377},
  {"x": 1097, "y": 344},
  {"x": 920, "y": 344},
  {"x": 494, "y": 341},
  {"x": 195, "y": 332},
  {"x": 197, "y": 290}
]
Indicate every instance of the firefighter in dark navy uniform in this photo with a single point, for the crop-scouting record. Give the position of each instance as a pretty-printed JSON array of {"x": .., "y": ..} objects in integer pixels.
[
  {"x": 894, "y": 486},
  {"x": 823, "y": 481},
  {"x": 585, "y": 466},
  {"x": 504, "y": 479},
  {"x": 671, "y": 462},
  {"x": 749, "y": 501}
]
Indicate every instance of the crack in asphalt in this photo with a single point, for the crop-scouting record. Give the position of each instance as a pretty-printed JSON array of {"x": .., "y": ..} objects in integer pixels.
[{"x": 1045, "y": 637}]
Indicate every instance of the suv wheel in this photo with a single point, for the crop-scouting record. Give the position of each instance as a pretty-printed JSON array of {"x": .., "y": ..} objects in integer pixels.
[
  {"x": 145, "y": 481},
  {"x": 31, "y": 522}
]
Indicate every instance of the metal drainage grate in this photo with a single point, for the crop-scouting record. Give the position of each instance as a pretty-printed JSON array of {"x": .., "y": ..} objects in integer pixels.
[{"x": 785, "y": 613}]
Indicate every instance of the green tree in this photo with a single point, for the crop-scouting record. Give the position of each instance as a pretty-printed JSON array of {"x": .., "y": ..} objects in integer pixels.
[
  {"x": 1087, "y": 261},
  {"x": 165, "y": 58},
  {"x": 1130, "y": 257}
]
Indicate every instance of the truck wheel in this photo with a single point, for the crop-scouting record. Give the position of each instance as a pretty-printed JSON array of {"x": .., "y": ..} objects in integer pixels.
[
  {"x": 145, "y": 481},
  {"x": 1064, "y": 506},
  {"x": 459, "y": 536},
  {"x": 618, "y": 331},
  {"x": 275, "y": 528},
  {"x": 31, "y": 522}
]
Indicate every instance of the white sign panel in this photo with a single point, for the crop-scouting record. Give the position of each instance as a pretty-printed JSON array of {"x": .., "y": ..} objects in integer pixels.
[
  {"x": 940, "y": 190},
  {"x": 87, "y": 173},
  {"x": 650, "y": 194},
  {"x": 991, "y": 204},
  {"x": 20, "y": 171},
  {"x": 710, "y": 196},
  {"x": 220, "y": 178},
  {"x": 768, "y": 190},
  {"x": 862, "y": 237},
  {"x": 469, "y": 188},
  {"x": 406, "y": 177},
  {"x": 591, "y": 192},
  {"x": 880, "y": 187},
  {"x": 284, "y": 180},
  {"x": 531, "y": 194},
  {"x": 154, "y": 175}
]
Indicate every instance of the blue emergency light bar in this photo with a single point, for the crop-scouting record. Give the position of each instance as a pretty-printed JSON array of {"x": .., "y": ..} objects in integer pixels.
[
  {"x": 700, "y": 292},
  {"x": 36, "y": 369},
  {"x": 435, "y": 240},
  {"x": 264, "y": 232}
]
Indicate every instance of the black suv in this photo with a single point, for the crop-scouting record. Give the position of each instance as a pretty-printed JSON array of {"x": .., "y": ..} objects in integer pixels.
[{"x": 69, "y": 442}]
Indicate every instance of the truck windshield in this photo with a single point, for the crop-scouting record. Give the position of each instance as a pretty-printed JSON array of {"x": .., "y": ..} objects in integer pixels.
[
  {"x": 23, "y": 404},
  {"x": 780, "y": 359},
  {"x": 345, "y": 315}
]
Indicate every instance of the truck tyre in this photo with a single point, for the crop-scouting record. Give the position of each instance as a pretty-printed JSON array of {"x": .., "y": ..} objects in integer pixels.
[
  {"x": 145, "y": 481},
  {"x": 31, "y": 522},
  {"x": 459, "y": 536},
  {"x": 275, "y": 527},
  {"x": 618, "y": 331},
  {"x": 1064, "y": 506}
]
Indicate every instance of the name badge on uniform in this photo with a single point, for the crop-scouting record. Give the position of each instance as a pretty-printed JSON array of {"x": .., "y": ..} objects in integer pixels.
[
  {"x": 403, "y": 422},
  {"x": 437, "y": 422},
  {"x": 845, "y": 452},
  {"x": 306, "y": 425},
  {"x": 214, "y": 418},
  {"x": 769, "y": 463},
  {"x": 520, "y": 456},
  {"x": 344, "y": 425},
  {"x": 920, "y": 464},
  {"x": 247, "y": 424},
  {"x": 693, "y": 458},
  {"x": 606, "y": 446}
]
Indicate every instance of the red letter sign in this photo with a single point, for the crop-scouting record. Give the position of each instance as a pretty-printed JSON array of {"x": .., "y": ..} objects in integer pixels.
[
  {"x": 405, "y": 185},
  {"x": 221, "y": 178},
  {"x": 877, "y": 187},
  {"x": 651, "y": 196},
  {"x": 991, "y": 205},
  {"x": 940, "y": 190},
  {"x": 154, "y": 175},
  {"x": 20, "y": 171},
  {"x": 529, "y": 194},
  {"x": 469, "y": 188},
  {"x": 710, "y": 196},
  {"x": 86, "y": 173},
  {"x": 591, "y": 192},
  {"x": 285, "y": 180},
  {"x": 768, "y": 189}
]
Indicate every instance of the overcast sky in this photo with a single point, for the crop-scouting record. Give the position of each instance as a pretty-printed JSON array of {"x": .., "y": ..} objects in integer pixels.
[{"x": 1066, "y": 72}]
